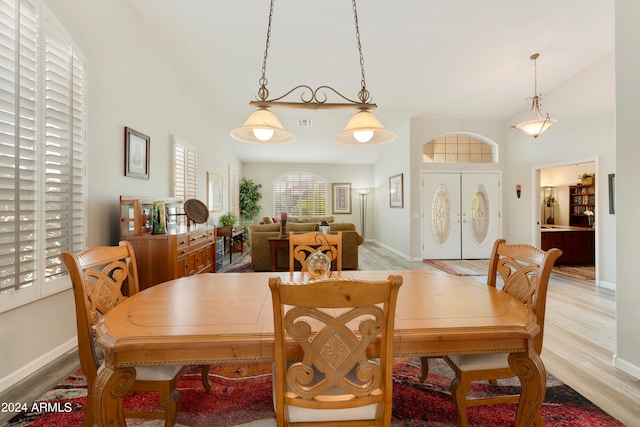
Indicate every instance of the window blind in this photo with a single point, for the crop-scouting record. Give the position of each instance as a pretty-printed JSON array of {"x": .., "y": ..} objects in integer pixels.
[
  {"x": 234, "y": 192},
  {"x": 185, "y": 170},
  {"x": 300, "y": 194},
  {"x": 42, "y": 151}
]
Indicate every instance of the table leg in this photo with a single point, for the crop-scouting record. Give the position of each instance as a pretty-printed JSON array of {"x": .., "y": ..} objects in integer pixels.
[
  {"x": 108, "y": 393},
  {"x": 533, "y": 379}
]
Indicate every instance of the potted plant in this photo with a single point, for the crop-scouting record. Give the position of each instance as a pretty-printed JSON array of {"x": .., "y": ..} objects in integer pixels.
[
  {"x": 228, "y": 220},
  {"x": 249, "y": 195},
  {"x": 587, "y": 178},
  {"x": 549, "y": 200}
]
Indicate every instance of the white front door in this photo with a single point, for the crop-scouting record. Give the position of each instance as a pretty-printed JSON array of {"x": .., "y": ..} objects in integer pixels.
[{"x": 461, "y": 214}]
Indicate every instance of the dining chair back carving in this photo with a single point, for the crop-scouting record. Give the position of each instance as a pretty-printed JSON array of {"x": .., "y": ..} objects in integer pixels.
[
  {"x": 324, "y": 331},
  {"x": 524, "y": 271},
  {"x": 102, "y": 277},
  {"x": 302, "y": 246}
]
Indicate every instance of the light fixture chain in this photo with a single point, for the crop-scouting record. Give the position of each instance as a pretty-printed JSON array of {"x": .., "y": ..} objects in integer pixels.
[
  {"x": 363, "y": 95},
  {"x": 263, "y": 92},
  {"x": 535, "y": 76}
]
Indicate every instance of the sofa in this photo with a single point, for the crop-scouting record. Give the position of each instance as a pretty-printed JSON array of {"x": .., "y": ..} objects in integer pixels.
[{"x": 261, "y": 252}]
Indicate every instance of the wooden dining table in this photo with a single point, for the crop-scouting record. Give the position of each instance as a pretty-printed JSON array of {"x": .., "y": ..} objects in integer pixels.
[{"x": 210, "y": 318}]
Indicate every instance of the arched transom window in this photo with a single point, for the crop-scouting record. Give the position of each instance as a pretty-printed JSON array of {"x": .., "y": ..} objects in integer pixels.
[{"x": 457, "y": 148}]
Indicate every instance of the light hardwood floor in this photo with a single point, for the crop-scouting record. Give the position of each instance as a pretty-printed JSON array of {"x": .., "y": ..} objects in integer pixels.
[{"x": 578, "y": 346}]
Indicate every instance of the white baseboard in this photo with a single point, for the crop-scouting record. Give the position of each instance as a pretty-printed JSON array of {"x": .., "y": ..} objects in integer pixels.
[
  {"x": 626, "y": 367},
  {"x": 36, "y": 364},
  {"x": 390, "y": 249},
  {"x": 607, "y": 285}
]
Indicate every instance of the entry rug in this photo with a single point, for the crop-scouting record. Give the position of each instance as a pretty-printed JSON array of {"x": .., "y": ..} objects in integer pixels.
[
  {"x": 461, "y": 267},
  {"x": 240, "y": 396},
  {"x": 480, "y": 267},
  {"x": 581, "y": 272}
]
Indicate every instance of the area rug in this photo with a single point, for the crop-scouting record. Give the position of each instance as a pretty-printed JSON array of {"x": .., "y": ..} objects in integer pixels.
[
  {"x": 479, "y": 267},
  {"x": 241, "y": 396},
  {"x": 581, "y": 272},
  {"x": 461, "y": 267},
  {"x": 241, "y": 265}
]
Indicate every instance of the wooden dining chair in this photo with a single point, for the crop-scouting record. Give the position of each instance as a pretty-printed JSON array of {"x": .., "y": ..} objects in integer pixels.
[
  {"x": 102, "y": 277},
  {"x": 525, "y": 272},
  {"x": 328, "y": 377},
  {"x": 302, "y": 246}
]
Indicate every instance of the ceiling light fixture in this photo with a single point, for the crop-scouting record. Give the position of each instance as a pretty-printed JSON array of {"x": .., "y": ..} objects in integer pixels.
[
  {"x": 535, "y": 123},
  {"x": 263, "y": 127}
]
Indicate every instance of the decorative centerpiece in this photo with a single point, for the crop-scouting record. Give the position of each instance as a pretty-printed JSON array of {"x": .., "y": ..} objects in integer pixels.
[
  {"x": 318, "y": 265},
  {"x": 324, "y": 227},
  {"x": 590, "y": 216},
  {"x": 159, "y": 219},
  {"x": 283, "y": 224}
]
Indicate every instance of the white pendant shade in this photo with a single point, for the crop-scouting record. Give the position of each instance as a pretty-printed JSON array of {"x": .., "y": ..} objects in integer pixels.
[
  {"x": 535, "y": 123},
  {"x": 258, "y": 126},
  {"x": 358, "y": 129}
]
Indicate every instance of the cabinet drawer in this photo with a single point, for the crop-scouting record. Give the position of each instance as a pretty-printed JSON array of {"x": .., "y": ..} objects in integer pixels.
[
  {"x": 190, "y": 265},
  {"x": 182, "y": 244}
]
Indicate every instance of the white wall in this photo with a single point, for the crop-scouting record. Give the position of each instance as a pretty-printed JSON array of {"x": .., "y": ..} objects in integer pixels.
[
  {"x": 130, "y": 83},
  {"x": 585, "y": 109},
  {"x": 627, "y": 177},
  {"x": 392, "y": 225}
]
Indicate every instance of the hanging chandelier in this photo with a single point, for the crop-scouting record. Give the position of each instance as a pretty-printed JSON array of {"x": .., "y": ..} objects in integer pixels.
[
  {"x": 535, "y": 123},
  {"x": 263, "y": 127}
]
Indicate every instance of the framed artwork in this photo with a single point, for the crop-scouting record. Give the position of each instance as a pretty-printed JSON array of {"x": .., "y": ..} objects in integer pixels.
[
  {"x": 612, "y": 193},
  {"x": 396, "y": 191},
  {"x": 341, "y": 197},
  {"x": 136, "y": 154},
  {"x": 214, "y": 192}
]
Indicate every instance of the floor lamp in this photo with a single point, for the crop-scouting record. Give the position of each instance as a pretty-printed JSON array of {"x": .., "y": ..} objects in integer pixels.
[{"x": 363, "y": 211}]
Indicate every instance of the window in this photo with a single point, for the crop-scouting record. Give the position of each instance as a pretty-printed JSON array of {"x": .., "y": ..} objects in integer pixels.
[
  {"x": 458, "y": 148},
  {"x": 185, "y": 170},
  {"x": 42, "y": 151},
  {"x": 234, "y": 192},
  {"x": 300, "y": 194}
]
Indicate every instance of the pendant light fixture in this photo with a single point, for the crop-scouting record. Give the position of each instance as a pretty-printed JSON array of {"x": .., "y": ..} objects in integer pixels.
[
  {"x": 535, "y": 123},
  {"x": 263, "y": 127}
]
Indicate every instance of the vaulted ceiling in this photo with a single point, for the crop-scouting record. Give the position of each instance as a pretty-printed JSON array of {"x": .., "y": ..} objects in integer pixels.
[{"x": 438, "y": 59}]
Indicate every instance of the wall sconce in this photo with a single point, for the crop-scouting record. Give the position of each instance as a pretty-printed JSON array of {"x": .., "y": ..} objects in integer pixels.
[{"x": 518, "y": 190}]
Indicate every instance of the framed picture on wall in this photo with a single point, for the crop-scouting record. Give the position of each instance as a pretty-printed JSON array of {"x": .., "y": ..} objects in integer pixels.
[
  {"x": 341, "y": 192},
  {"x": 136, "y": 154},
  {"x": 396, "y": 191},
  {"x": 214, "y": 192}
]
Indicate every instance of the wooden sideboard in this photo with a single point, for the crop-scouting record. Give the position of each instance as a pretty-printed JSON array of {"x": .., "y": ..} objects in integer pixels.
[{"x": 182, "y": 251}]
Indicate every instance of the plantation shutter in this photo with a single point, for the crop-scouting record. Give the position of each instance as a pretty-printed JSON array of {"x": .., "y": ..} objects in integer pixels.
[
  {"x": 185, "y": 170},
  {"x": 64, "y": 151},
  {"x": 300, "y": 194},
  {"x": 18, "y": 143},
  {"x": 42, "y": 151},
  {"x": 234, "y": 192}
]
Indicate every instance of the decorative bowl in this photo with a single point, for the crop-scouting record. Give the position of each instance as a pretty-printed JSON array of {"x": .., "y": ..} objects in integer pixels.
[{"x": 318, "y": 265}]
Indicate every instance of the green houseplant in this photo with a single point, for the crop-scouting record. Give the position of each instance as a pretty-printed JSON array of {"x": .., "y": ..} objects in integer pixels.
[
  {"x": 228, "y": 220},
  {"x": 249, "y": 195}
]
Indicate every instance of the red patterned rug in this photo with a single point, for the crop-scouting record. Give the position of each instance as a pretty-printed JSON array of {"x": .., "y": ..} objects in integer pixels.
[
  {"x": 241, "y": 265},
  {"x": 241, "y": 396}
]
